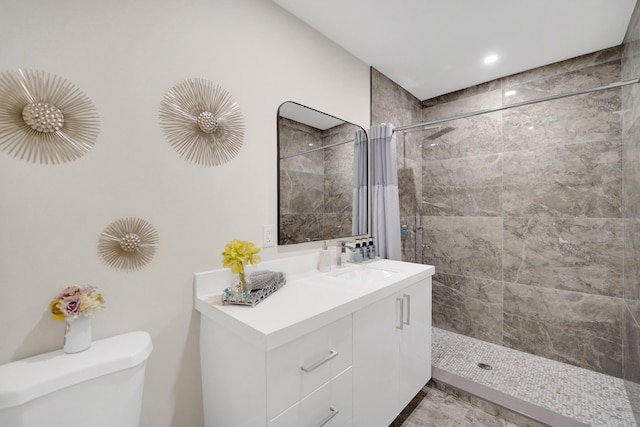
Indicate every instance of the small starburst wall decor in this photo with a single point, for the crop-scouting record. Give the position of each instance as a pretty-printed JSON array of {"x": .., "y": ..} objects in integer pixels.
[
  {"x": 202, "y": 122},
  {"x": 45, "y": 119},
  {"x": 128, "y": 244}
]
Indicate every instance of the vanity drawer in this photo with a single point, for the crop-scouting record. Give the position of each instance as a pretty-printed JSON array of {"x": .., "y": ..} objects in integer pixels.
[
  {"x": 329, "y": 406},
  {"x": 297, "y": 369}
]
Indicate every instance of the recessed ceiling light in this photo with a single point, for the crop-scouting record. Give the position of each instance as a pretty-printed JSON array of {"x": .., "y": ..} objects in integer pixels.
[
  {"x": 510, "y": 93},
  {"x": 490, "y": 59}
]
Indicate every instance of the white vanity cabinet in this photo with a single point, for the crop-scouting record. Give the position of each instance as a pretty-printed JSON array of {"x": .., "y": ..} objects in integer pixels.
[
  {"x": 309, "y": 379},
  {"x": 318, "y": 352},
  {"x": 391, "y": 354},
  {"x": 306, "y": 382}
]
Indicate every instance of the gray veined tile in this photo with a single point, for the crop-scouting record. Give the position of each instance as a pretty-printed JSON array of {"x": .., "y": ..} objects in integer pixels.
[
  {"x": 296, "y": 228},
  {"x": 593, "y": 163},
  {"x": 469, "y": 306},
  {"x": 591, "y": 117},
  {"x": 469, "y": 186},
  {"x": 440, "y": 409},
  {"x": 583, "y": 180},
  {"x": 301, "y": 192},
  {"x": 338, "y": 194},
  {"x": 339, "y": 159},
  {"x": 572, "y": 327},
  {"x": 409, "y": 180},
  {"x": 582, "y": 118},
  {"x": 464, "y": 246},
  {"x": 632, "y": 261},
  {"x": 387, "y": 97},
  {"x": 481, "y": 101},
  {"x": 585, "y": 77},
  {"x": 630, "y": 111},
  {"x": 464, "y": 137},
  {"x": 558, "y": 199},
  {"x": 564, "y": 67},
  {"x": 631, "y": 339},
  {"x": 304, "y": 163},
  {"x": 631, "y": 174},
  {"x": 579, "y": 254},
  {"x": 335, "y": 224},
  {"x": 461, "y": 201},
  {"x": 475, "y": 171},
  {"x": 463, "y": 94}
]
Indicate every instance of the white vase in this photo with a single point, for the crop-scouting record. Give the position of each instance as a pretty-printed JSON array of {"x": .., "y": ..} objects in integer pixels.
[{"x": 77, "y": 334}]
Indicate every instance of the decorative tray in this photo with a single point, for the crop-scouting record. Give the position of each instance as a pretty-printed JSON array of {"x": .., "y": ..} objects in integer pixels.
[{"x": 235, "y": 296}]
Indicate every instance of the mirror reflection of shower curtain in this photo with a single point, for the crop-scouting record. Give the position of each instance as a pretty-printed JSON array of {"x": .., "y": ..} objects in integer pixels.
[
  {"x": 385, "y": 202},
  {"x": 359, "y": 210}
]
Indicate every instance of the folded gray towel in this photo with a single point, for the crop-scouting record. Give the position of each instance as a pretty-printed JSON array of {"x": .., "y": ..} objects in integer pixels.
[{"x": 263, "y": 278}]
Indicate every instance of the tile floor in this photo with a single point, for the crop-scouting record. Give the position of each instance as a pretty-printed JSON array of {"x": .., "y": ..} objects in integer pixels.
[
  {"x": 437, "y": 408},
  {"x": 596, "y": 399}
]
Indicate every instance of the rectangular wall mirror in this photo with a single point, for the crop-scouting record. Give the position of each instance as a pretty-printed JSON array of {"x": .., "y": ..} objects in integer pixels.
[{"x": 322, "y": 176}]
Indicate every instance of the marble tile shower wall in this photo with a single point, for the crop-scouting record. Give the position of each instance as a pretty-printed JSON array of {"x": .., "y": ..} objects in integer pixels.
[
  {"x": 315, "y": 191},
  {"x": 631, "y": 213},
  {"x": 523, "y": 211},
  {"x": 523, "y": 214},
  {"x": 392, "y": 104}
]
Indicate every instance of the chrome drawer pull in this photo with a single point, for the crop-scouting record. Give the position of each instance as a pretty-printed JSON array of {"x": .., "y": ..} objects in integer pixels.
[
  {"x": 328, "y": 418},
  {"x": 408, "y": 299},
  {"x": 400, "y": 313},
  {"x": 332, "y": 354}
]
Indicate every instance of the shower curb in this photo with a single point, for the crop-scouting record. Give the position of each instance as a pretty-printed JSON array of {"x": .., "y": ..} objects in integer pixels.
[{"x": 513, "y": 404}]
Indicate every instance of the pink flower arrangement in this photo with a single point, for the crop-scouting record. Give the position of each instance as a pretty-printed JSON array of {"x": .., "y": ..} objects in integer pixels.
[{"x": 76, "y": 301}]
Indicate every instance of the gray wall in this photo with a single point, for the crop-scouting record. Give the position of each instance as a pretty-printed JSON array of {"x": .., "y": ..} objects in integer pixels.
[
  {"x": 392, "y": 104},
  {"x": 523, "y": 214},
  {"x": 522, "y": 211},
  {"x": 631, "y": 212}
]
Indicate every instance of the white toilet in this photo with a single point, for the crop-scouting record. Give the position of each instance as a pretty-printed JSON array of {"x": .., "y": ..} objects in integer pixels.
[{"x": 99, "y": 387}]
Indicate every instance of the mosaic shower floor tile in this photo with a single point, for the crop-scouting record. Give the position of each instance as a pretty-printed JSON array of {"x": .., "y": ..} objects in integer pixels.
[{"x": 587, "y": 396}]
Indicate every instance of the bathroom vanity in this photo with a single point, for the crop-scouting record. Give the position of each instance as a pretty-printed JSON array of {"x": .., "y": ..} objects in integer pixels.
[{"x": 350, "y": 347}]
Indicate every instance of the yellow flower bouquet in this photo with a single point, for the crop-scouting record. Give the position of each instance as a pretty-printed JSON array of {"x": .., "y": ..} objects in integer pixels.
[{"x": 237, "y": 254}]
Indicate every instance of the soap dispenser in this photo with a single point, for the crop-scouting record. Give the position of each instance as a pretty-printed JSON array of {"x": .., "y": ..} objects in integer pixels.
[
  {"x": 357, "y": 254},
  {"x": 324, "y": 263},
  {"x": 372, "y": 249},
  {"x": 341, "y": 260}
]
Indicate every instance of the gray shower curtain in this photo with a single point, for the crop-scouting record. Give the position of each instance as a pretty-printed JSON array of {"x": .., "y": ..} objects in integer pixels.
[
  {"x": 385, "y": 202},
  {"x": 359, "y": 210}
]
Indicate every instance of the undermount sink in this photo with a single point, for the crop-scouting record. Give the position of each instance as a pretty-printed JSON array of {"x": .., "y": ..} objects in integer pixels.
[{"x": 363, "y": 275}]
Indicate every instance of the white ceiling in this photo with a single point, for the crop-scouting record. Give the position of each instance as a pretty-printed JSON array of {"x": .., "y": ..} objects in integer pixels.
[{"x": 433, "y": 47}]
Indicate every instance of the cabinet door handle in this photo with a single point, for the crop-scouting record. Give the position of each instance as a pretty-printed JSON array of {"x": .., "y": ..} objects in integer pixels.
[
  {"x": 407, "y": 298},
  {"x": 309, "y": 368},
  {"x": 400, "y": 312},
  {"x": 328, "y": 418}
]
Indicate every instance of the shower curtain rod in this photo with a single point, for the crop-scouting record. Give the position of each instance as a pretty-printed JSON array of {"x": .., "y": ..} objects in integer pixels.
[
  {"x": 518, "y": 104},
  {"x": 315, "y": 149}
]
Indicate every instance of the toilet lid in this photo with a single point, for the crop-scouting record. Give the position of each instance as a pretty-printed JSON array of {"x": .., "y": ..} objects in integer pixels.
[{"x": 28, "y": 379}]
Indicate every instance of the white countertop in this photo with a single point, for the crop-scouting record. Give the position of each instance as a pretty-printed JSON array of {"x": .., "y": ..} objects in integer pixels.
[{"x": 309, "y": 300}]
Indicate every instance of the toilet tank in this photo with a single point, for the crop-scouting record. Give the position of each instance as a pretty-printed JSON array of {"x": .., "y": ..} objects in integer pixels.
[{"x": 99, "y": 387}]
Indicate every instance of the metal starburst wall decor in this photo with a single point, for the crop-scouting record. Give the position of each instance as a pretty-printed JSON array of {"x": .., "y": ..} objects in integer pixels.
[
  {"x": 202, "y": 122},
  {"x": 128, "y": 244},
  {"x": 45, "y": 119}
]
